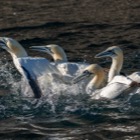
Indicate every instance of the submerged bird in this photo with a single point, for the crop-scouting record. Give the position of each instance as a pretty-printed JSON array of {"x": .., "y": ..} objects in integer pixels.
[
  {"x": 29, "y": 67},
  {"x": 97, "y": 87},
  {"x": 60, "y": 59},
  {"x": 116, "y": 54}
]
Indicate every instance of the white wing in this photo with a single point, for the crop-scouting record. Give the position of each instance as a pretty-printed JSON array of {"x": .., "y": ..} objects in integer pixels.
[
  {"x": 118, "y": 85},
  {"x": 35, "y": 66},
  {"x": 32, "y": 69},
  {"x": 72, "y": 69},
  {"x": 66, "y": 71}
]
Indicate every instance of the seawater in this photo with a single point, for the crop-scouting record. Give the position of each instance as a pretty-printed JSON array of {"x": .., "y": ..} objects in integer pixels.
[{"x": 64, "y": 116}]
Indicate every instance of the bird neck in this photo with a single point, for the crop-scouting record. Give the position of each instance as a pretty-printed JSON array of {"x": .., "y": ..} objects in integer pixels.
[
  {"x": 19, "y": 55},
  {"x": 18, "y": 52},
  {"x": 59, "y": 58},
  {"x": 116, "y": 67},
  {"x": 16, "y": 49},
  {"x": 17, "y": 64},
  {"x": 97, "y": 81}
]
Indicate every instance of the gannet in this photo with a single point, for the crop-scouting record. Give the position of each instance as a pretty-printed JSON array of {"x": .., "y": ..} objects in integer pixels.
[
  {"x": 60, "y": 59},
  {"x": 118, "y": 85},
  {"x": 117, "y": 60},
  {"x": 29, "y": 67},
  {"x": 98, "y": 81},
  {"x": 97, "y": 87},
  {"x": 116, "y": 54}
]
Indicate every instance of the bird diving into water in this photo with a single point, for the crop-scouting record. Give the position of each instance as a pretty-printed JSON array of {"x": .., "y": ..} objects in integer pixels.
[{"x": 29, "y": 67}]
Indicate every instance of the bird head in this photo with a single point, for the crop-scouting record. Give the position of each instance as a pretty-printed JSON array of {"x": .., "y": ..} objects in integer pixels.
[
  {"x": 54, "y": 50},
  {"x": 91, "y": 70},
  {"x": 112, "y": 52},
  {"x": 13, "y": 47}
]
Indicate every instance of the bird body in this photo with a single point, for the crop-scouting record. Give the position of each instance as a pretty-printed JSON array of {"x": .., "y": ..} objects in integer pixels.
[
  {"x": 116, "y": 55},
  {"x": 97, "y": 89},
  {"x": 66, "y": 68},
  {"x": 71, "y": 68},
  {"x": 117, "y": 83},
  {"x": 113, "y": 89},
  {"x": 29, "y": 67},
  {"x": 36, "y": 66}
]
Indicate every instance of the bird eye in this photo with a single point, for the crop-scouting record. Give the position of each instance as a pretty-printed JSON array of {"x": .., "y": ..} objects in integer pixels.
[
  {"x": 87, "y": 72},
  {"x": 50, "y": 50},
  {"x": 110, "y": 51}
]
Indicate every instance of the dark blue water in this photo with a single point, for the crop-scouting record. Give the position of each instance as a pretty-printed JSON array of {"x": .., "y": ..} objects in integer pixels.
[
  {"x": 64, "y": 117},
  {"x": 69, "y": 118}
]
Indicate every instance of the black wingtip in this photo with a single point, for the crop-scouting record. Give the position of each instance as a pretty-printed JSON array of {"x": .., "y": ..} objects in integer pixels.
[{"x": 33, "y": 84}]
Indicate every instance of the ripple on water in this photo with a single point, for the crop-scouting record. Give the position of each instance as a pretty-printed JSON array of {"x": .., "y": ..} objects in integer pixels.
[{"x": 65, "y": 116}]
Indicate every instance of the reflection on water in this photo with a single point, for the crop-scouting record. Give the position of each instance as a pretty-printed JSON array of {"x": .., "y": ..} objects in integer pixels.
[{"x": 65, "y": 116}]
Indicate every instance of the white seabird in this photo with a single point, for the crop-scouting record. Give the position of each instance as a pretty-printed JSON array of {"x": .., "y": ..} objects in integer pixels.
[
  {"x": 117, "y": 60},
  {"x": 97, "y": 87},
  {"x": 98, "y": 77},
  {"x": 116, "y": 55},
  {"x": 60, "y": 59},
  {"x": 29, "y": 67}
]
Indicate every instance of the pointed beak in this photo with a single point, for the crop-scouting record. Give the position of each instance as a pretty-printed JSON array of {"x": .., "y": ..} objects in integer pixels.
[
  {"x": 3, "y": 45},
  {"x": 41, "y": 49},
  {"x": 106, "y": 53},
  {"x": 81, "y": 77}
]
